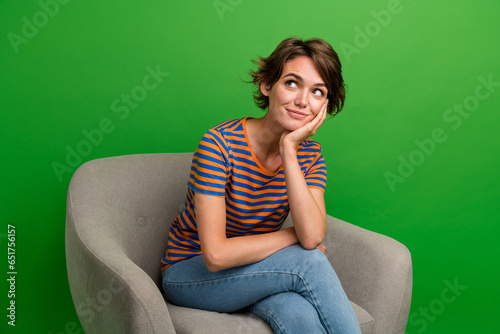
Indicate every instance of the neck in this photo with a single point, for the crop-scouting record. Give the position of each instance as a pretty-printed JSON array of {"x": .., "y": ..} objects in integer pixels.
[{"x": 266, "y": 135}]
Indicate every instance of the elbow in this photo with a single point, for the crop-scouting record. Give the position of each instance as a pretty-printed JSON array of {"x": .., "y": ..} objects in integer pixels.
[
  {"x": 212, "y": 269},
  {"x": 310, "y": 245},
  {"x": 312, "y": 235},
  {"x": 213, "y": 262},
  {"x": 311, "y": 242}
]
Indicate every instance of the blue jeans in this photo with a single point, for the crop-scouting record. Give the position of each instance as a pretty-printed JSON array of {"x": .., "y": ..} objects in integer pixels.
[{"x": 294, "y": 290}]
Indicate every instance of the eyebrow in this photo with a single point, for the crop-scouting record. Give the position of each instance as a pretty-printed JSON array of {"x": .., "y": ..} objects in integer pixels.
[{"x": 298, "y": 77}]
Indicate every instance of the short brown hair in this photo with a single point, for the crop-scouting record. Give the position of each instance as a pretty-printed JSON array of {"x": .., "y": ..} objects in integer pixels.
[{"x": 322, "y": 54}]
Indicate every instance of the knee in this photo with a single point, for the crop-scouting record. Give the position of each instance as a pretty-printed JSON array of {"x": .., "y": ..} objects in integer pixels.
[
  {"x": 301, "y": 316},
  {"x": 313, "y": 265},
  {"x": 313, "y": 258},
  {"x": 289, "y": 312},
  {"x": 318, "y": 257},
  {"x": 301, "y": 310}
]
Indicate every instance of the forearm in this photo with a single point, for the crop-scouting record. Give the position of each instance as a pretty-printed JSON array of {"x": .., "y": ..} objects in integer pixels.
[
  {"x": 309, "y": 219},
  {"x": 238, "y": 251}
]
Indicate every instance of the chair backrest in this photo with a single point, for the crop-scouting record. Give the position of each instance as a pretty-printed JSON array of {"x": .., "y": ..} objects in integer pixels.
[{"x": 125, "y": 204}]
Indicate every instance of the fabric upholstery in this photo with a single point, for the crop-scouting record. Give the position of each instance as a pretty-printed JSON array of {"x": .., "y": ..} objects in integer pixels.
[
  {"x": 119, "y": 211},
  {"x": 188, "y": 321}
]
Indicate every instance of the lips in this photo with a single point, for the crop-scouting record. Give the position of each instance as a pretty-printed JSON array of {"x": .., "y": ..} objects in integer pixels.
[{"x": 296, "y": 114}]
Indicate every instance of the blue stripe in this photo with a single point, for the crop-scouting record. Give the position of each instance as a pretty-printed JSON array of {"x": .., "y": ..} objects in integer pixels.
[
  {"x": 185, "y": 249},
  {"x": 226, "y": 124},
  {"x": 206, "y": 175},
  {"x": 184, "y": 224},
  {"x": 206, "y": 192},
  {"x": 216, "y": 141},
  {"x": 283, "y": 206},
  {"x": 257, "y": 196},
  {"x": 238, "y": 142},
  {"x": 318, "y": 174},
  {"x": 307, "y": 157},
  {"x": 254, "y": 172},
  {"x": 201, "y": 157},
  {"x": 244, "y": 152},
  {"x": 264, "y": 187},
  {"x": 322, "y": 186},
  {"x": 243, "y": 220},
  {"x": 315, "y": 178},
  {"x": 278, "y": 178},
  {"x": 235, "y": 218},
  {"x": 207, "y": 184},
  {"x": 237, "y": 134},
  {"x": 180, "y": 256},
  {"x": 199, "y": 153},
  {"x": 172, "y": 241}
]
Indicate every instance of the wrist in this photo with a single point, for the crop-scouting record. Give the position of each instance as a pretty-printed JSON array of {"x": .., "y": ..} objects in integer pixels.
[
  {"x": 294, "y": 239},
  {"x": 287, "y": 150}
]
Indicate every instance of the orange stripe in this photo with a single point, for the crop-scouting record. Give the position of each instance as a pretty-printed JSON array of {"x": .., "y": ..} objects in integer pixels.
[
  {"x": 253, "y": 207},
  {"x": 207, "y": 153}
]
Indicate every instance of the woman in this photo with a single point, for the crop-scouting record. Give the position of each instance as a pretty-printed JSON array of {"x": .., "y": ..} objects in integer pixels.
[{"x": 226, "y": 250}]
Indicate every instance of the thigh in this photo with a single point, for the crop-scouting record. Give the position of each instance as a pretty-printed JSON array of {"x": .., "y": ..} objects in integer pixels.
[
  {"x": 189, "y": 283},
  {"x": 288, "y": 313},
  {"x": 307, "y": 272}
]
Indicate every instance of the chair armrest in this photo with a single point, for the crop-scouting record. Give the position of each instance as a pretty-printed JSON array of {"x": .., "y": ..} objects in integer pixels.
[
  {"x": 110, "y": 292},
  {"x": 375, "y": 272}
]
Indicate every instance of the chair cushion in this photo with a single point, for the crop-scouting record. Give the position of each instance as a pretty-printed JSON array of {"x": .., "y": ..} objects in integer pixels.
[
  {"x": 191, "y": 321},
  {"x": 366, "y": 321}
]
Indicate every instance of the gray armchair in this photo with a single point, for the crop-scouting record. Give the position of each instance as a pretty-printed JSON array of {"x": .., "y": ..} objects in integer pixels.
[{"x": 118, "y": 214}]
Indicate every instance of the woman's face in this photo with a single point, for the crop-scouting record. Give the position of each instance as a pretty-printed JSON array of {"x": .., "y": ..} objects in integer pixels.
[{"x": 297, "y": 97}]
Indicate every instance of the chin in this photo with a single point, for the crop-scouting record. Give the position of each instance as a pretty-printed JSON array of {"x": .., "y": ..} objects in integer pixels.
[{"x": 294, "y": 124}]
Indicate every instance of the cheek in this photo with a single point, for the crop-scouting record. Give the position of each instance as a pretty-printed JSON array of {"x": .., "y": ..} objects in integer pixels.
[
  {"x": 316, "y": 106},
  {"x": 283, "y": 96}
]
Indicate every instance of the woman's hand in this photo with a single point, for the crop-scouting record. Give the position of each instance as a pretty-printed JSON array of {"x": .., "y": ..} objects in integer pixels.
[
  {"x": 322, "y": 248},
  {"x": 291, "y": 139},
  {"x": 307, "y": 205}
]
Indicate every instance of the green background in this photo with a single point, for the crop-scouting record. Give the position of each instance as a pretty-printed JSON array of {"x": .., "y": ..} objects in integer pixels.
[{"x": 404, "y": 73}]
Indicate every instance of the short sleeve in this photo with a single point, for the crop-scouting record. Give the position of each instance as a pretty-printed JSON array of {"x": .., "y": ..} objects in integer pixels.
[
  {"x": 209, "y": 172},
  {"x": 316, "y": 174}
]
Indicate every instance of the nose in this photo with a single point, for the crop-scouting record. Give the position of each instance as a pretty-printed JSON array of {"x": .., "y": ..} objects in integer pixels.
[{"x": 301, "y": 99}]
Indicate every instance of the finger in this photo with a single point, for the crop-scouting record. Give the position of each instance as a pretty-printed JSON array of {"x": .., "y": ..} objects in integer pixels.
[
  {"x": 314, "y": 122},
  {"x": 308, "y": 129},
  {"x": 325, "y": 112},
  {"x": 321, "y": 116}
]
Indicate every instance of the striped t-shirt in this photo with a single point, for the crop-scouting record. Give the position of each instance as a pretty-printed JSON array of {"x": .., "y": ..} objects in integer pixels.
[{"x": 225, "y": 165}]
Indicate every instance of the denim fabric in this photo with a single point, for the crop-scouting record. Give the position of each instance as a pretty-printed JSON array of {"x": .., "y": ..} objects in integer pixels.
[{"x": 294, "y": 290}]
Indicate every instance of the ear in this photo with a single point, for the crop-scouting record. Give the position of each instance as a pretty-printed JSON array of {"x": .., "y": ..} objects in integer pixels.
[{"x": 264, "y": 88}]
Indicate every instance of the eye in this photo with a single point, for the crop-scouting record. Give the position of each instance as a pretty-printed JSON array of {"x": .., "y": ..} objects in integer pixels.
[
  {"x": 291, "y": 83},
  {"x": 318, "y": 92}
]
